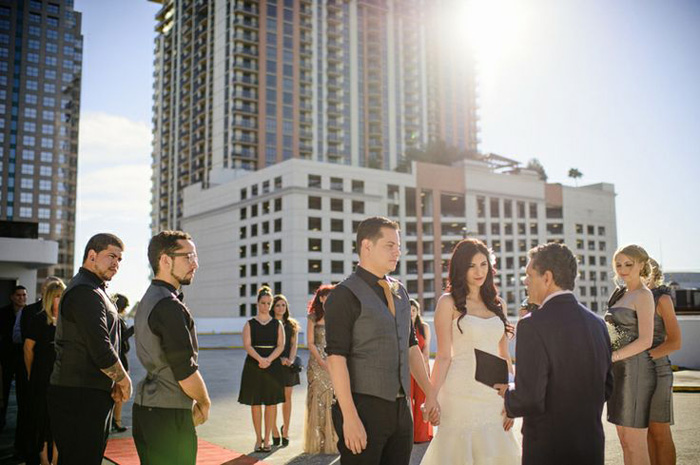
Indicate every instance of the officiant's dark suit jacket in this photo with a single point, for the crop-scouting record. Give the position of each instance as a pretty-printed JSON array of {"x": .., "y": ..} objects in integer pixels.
[{"x": 562, "y": 379}]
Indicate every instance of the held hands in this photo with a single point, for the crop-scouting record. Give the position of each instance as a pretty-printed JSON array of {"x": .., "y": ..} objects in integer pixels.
[
  {"x": 285, "y": 361},
  {"x": 121, "y": 392},
  {"x": 430, "y": 410},
  {"x": 264, "y": 363},
  {"x": 354, "y": 434}
]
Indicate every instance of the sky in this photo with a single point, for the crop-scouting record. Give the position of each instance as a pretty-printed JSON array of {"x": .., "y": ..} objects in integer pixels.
[{"x": 609, "y": 88}]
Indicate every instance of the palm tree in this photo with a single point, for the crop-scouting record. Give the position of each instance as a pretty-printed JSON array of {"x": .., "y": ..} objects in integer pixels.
[{"x": 575, "y": 174}]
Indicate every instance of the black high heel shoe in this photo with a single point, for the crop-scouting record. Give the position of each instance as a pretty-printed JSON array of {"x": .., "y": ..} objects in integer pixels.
[
  {"x": 117, "y": 428},
  {"x": 276, "y": 441},
  {"x": 285, "y": 440}
]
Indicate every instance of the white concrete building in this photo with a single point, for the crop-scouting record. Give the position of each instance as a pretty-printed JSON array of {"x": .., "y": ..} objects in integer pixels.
[
  {"x": 292, "y": 226},
  {"x": 20, "y": 258}
]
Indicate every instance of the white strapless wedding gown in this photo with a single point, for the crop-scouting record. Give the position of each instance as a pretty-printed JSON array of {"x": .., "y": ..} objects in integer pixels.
[{"x": 471, "y": 428}]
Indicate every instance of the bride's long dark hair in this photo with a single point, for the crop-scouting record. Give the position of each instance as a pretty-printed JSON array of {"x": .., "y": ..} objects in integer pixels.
[{"x": 461, "y": 260}]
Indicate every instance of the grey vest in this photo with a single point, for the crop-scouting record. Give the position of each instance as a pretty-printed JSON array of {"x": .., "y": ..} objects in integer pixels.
[
  {"x": 378, "y": 360},
  {"x": 159, "y": 388},
  {"x": 74, "y": 366}
]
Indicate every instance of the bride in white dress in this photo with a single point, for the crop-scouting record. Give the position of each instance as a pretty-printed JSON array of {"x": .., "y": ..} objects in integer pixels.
[{"x": 473, "y": 428}]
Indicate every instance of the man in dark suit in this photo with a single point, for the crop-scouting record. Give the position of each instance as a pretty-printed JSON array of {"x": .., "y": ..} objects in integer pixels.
[{"x": 563, "y": 359}]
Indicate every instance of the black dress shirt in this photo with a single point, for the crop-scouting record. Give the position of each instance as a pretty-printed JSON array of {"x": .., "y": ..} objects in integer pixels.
[
  {"x": 172, "y": 321},
  {"x": 346, "y": 309}
]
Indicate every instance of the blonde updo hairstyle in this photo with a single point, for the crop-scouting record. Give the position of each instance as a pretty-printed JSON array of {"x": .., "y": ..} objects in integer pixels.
[
  {"x": 639, "y": 255},
  {"x": 656, "y": 278}
]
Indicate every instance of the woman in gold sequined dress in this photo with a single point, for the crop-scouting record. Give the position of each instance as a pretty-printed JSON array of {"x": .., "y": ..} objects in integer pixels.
[{"x": 319, "y": 435}]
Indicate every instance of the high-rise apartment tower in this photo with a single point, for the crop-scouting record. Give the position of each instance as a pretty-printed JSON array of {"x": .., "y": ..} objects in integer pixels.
[
  {"x": 242, "y": 84},
  {"x": 40, "y": 71}
]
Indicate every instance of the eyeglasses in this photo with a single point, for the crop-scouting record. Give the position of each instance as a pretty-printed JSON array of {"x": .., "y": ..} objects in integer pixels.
[{"x": 191, "y": 256}]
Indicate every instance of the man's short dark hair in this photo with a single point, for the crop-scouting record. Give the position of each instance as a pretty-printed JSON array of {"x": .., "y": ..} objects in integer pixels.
[
  {"x": 18, "y": 287},
  {"x": 100, "y": 242},
  {"x": 559, "y": 260},
  {"x": 165, "y": 242},
  {"x": 120, "y": 301},
  {"x": 371, "y": 228}
]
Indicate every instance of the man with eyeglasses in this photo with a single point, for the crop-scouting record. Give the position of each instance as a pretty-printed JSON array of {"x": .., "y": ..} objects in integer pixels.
[{"x": 172, "y": 399}]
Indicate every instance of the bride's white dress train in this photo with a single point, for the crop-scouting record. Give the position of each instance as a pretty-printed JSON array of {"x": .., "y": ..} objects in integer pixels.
[{"x": 471, "y": 428}]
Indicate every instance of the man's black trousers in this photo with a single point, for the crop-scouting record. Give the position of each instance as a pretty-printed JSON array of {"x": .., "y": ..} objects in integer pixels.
[
  {"x": 389, "y": 428},
  {"x": 80, "y": 422},
  {"x": 164, "y": 436}
]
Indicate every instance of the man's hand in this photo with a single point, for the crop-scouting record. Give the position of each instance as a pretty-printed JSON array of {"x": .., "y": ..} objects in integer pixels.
[
  {"x": 264, "y": 363},
  {"x": 507, "y": 422},
  {"x": 431, "y": 410},
  {"x": 121, "y": 392},
  {"x": 200, "y": 413},
  {"x": 354, "y": 434},
  {"x": 285, "y": 361},
  {"x": 501, "y": 388}
]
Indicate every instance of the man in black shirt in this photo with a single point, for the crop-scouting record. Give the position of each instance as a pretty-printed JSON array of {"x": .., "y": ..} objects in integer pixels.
[
  {"x": 172, "y": 399},
  {"x": 371, "y": 346},
  {"x": 87, "y": 376},
  {"x": 12, "y": 360}
]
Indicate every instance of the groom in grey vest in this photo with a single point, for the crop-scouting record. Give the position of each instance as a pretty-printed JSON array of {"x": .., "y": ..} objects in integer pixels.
[
  {"x": 372, "y": 349},
  {"x": 172, "y": 399}
]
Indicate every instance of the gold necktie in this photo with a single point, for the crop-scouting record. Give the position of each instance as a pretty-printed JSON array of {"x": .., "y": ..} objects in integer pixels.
[{"x": 389, "y": 296}]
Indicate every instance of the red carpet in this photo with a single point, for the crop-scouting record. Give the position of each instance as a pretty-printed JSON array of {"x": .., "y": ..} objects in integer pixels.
[{"x": 123, "y": 452}]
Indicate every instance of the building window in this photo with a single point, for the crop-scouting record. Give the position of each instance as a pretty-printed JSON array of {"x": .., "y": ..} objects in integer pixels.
[
  {"x": 241, "y": 310},
  {"x": 278, "y": 204},
  {"x": 337, "y": 205},
  {"x": 337, "y": 267},
  {"x": 591, "y": 230},
  {"x": 481, "y": 207},
  {"x": 313, "y": 286},
  {"x": 244, "y": 213},
  {"x": 242, "y": 251},
  {"x": 314, "y": 203},
  {"x": 278, "y": 225},
  {"x": 358, "y": 187},
  {"x": 410, "y": 201},
  {"x": 337, "y": 184},
  {"x": 358, "y": 206},
  {"x": 337, "y": 246},
  {"x": 533, "y": 210},
  {"x": 278, "y": 182},
  {"x": 278, "y": 245},
  {"x": 314, "y": 223},
  {"x": 508, "y": 208},
  {"x": 481, "y": 229},
  {"x": 242, "y": 271},
  {"x": 336, "y": 225},
  {"x": 314, "y": 266},
  {"x": 452, "y": 205},
  {"x": 495, "y": 208},
  {"x": 314, "y": 245},
  {"x": 533, "y": 228},
  {"x": 315, "y": 181},
  {"x": 579, "y": 229},
  {"x": 601, "y": 230},
  {"x": 495, "y": 228},
  {"x": 278, "y": 266}
]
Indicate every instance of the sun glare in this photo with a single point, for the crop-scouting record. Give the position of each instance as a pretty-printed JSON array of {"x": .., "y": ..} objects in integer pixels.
[{"x": 494, "y": 28}]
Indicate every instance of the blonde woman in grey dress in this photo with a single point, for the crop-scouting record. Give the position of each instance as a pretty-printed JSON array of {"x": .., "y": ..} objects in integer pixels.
[
  {"x": 667, "y": 339},
  {"x": 631, "y": 315},
  {"x": 319, "y": 434}
]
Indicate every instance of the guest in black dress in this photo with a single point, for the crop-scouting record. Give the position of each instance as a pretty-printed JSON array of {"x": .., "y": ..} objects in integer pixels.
[
  {"x": 289, "y": 375},
  {"x": 263, "y": 339},
  {"x": 39, "y": 357},
  {"x": 122, "y": 303},
  {"x": 667, "y": 339}
]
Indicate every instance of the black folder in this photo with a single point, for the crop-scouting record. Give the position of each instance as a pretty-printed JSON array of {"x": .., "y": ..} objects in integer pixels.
[{"x": 490, "y": 369}]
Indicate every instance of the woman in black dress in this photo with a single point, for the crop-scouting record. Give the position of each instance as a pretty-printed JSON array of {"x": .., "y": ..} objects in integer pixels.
[
  {"x": 290, "y": 377},
  {"x": 122, "y": 303},
  {"x": 263, "y": 339},
  {"x": 39, "y": 356}
]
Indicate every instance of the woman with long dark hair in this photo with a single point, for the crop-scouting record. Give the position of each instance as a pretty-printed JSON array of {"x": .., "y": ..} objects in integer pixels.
[
  {"x": 319, "y": 434},
  {"x": 422, "y": 431},
  {"x": 289, "y": 376},
  {"x": 263, "y": 340},
  {"x": 473, "y": 427}
]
